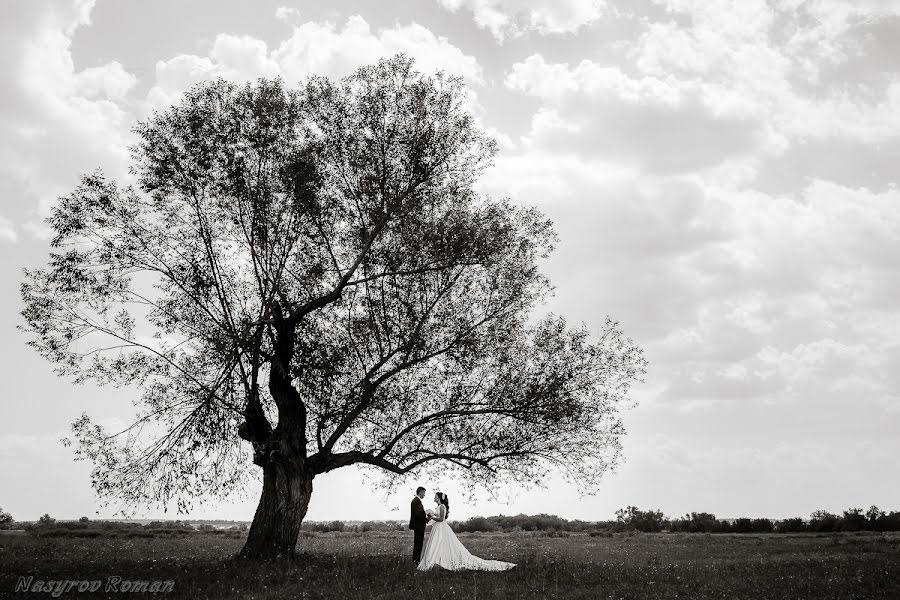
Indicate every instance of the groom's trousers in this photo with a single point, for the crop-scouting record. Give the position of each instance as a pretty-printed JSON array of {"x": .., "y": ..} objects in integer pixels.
[{"x": 418, "y": 541}]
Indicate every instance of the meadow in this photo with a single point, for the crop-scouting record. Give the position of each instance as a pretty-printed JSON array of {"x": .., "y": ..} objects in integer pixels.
[{"x": 373, "y": 565}]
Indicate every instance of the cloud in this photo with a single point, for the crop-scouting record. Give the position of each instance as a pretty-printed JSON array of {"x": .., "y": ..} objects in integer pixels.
[
  {"x": 806, "y": 67},
  {"x": 313, "y": 48},
  {"x": 657, "y": 123},
  {"x": 286, "y": 13},
  {"x": 318, "y": 48},
  {"x": 20, "y": 444},
  {"x": 737, "y": 295},
  {"x": 8, "y": 231},
  {"x": 513, "y": 18},
  {"x": 110, "y": 81},
  {"x": 58, "y": 122},
  {"x": 626, "y": 241},
  {"x": 784, "y": 313}
]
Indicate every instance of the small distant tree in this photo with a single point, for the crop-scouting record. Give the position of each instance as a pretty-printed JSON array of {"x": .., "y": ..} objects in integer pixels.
[
  {"x": 6, "y": 519},
  {"x": 742, "y": 525},
  {"x": 476, "y": 524},
  {"x": 632, "y": 517},
  {"x": 873, "y": 515},
  {"x": 853, "y": 520},
  {"x": 791, "y": 525},
  {"x": 889, "y": 521},
  {"x": 46, "y": 519},
  {"x": 822, "y": 520},
  {"x": 762, "y": 525},
  {"x": 84, "y": 520},
  {"x": 701, "y": 522}
]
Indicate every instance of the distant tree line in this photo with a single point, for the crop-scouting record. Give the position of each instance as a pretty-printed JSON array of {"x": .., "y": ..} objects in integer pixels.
[
  {"x": 852, "y": 519},
  {"x": 47, "y": 526},
  {"x": 540, "y": 522},
  {"x": 341, "y": 526},
  {"x": 630, "y": 518}
]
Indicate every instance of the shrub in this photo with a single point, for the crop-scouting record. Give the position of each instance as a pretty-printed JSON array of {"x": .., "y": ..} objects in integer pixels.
[
  {"x": 872, "y": 516},
  {"x": 792, "y": 525},
  {"x": 748, "y": 526},
  {"x": 474, "y": 524},
  {"x": 323, "y": 527},
  {"x": 888, "y": 522},
  {"x": 854, "y": 520},
  {"x": 6, "y": 520},
  {"x": 704, "y": 522},
  {"x": 46, "y": 520},
  {"x": 634, "y": 518},
  {"x": 822, "y": 521}
]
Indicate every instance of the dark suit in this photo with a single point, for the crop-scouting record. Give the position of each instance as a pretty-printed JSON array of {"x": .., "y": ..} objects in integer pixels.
[{"x": 417, "y": 521}]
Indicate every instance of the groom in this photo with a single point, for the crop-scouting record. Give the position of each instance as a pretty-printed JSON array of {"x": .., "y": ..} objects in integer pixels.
[{"x": 417, "y": 521}]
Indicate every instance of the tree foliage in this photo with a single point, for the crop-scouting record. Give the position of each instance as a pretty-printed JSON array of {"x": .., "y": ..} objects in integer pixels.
[
  {"x": 6, "y": 519},
  {"x": 308, "y": 277}
]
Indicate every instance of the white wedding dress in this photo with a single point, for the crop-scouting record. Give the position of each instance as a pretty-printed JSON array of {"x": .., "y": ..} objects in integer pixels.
[{"x": 445, "y": 550}]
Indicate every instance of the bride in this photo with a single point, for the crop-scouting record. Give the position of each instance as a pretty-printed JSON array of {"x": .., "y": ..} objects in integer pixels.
[{"x": 445, "y": 550}]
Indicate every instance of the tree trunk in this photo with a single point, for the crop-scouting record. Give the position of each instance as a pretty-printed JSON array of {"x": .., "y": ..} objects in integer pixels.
[{"x": 287, "y": 487}]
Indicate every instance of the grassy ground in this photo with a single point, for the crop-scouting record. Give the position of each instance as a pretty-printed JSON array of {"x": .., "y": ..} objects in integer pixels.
[{"x": 376, "y": 565}]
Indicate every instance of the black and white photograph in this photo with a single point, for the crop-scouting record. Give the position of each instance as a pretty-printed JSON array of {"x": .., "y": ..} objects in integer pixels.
[{"x": 428, "y": 299}]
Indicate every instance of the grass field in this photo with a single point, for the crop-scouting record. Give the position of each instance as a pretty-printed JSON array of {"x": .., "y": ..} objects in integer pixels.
[{"x": 376, "y": 565}]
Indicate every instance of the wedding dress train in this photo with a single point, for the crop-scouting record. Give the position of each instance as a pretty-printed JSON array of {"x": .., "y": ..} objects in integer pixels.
[{"x": 445, "y": 550}]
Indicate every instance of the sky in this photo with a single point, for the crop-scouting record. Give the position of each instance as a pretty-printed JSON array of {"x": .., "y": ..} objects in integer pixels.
[{"x": 722, "y": 175}]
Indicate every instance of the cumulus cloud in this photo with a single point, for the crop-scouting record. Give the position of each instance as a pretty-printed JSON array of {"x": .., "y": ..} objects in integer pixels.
[
  {"x": 513, "y": 18},
  {"x": 8, "y": 231},
  {"x": 793, "y": 278},
  {"x": 287, "y": 13},
  {"x": 742, "y": 298},
  {"x": 110, "y": 81},
  {"x": 806, "y": 67},
  {"x": 58, "y": 122},
  {"x": 660, "y": 124},
  {"x": 313, "y": 48}
]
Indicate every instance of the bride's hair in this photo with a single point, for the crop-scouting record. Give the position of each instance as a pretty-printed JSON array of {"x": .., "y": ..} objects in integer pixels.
[{"x": 443, "y": 498}]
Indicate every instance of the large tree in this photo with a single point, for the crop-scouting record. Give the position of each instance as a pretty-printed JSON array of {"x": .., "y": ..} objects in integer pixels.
[{"x": 308, "y": 276}]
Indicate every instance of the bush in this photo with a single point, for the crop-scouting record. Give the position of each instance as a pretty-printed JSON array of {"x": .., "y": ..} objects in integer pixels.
[
  {"x": 742, "y": 526},
  {"x": 888, "y": 522},
  {"x": 6, "y": 520},
  {"x": 475, "y": 524},
  {"x": 793, "y": 525},
  {"x": 167, "y": 525},
  {"x": 46, "y": 520},
  {"x": 854, "y": 520},
  {"x": 823, "y": 521},
  {"x": 376, "y": 526},
  {"x": 597, "y": 533},
  {"x": 704, "y": 522},
  {"x": 323, "y": 527},
  {"x": 636, "y": 519}
]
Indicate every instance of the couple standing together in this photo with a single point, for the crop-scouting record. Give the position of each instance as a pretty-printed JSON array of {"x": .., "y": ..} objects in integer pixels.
[{"x": 444, "y": 549}]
